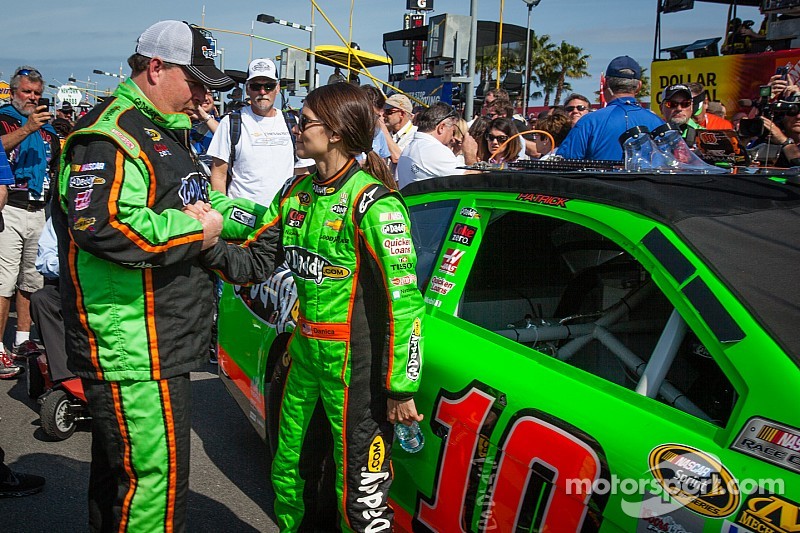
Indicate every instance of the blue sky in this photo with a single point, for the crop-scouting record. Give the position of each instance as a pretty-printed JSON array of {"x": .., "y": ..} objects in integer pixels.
[{"x": 64, "y": 39}]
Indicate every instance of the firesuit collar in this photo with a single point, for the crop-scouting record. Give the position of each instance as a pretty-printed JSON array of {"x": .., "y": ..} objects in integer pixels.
[
  {"x": 128, "y": 90},
  {"x": 335, "y": 182}
]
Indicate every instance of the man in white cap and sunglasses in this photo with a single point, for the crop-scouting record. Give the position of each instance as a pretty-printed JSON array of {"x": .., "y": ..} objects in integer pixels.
[
  {"x": 137, "y": 302},
  {"x": 255, "y": 161}
]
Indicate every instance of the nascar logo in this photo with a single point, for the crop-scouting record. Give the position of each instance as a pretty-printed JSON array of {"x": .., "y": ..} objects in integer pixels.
[{"x": 780, "y": 438}]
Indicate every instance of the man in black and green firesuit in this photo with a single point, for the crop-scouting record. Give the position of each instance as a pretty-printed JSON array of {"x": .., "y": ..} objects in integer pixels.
[{"x": 137, "y": 303}]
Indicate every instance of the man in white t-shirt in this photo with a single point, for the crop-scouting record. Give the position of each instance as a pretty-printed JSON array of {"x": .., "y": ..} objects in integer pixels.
[
  {"x": 264, "y": 155},
  {"x": 429, "y": 154}
]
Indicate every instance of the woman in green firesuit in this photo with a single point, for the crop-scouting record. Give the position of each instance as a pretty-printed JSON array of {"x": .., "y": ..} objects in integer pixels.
[{"x": 357, "y": 349}]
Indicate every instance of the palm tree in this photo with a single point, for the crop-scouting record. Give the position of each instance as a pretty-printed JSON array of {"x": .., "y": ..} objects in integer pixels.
[
  {"x": 541, "y": 66},
  {"x": 570, "y": 62}
]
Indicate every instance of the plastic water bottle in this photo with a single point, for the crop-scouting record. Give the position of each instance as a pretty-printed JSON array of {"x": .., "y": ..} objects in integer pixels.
[{"x": 409, "y": 437}]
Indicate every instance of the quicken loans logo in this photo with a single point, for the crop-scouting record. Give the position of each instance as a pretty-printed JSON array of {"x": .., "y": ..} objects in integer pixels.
[{"x": 308, "y": 265}]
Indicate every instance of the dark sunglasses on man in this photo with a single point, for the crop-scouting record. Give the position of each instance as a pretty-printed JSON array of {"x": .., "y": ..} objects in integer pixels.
[
  {"x": 256, "y": 87},
  {"x": 571, "y": 108},
  {"x": 674, "y": 104}
]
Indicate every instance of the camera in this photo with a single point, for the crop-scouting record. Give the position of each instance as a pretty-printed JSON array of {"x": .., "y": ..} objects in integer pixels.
[
  {"x": 783, "y": 72},
  {"x": 44, "y": 102}
]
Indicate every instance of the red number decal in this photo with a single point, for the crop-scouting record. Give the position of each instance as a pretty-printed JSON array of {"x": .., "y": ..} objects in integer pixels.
[
  {"x": 464, "y": 418},
  {"x": 536, "y": 458},
  {"x": 533, "y": 444}
]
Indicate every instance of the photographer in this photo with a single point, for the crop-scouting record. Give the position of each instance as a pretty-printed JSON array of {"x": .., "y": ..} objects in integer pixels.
[{"x": 781, "y": 122}]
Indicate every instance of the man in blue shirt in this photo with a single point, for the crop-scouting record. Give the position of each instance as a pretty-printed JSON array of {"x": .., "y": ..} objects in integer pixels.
[
  {"x": 7, "y": 367},
  {"x": 596, "y": 135}
]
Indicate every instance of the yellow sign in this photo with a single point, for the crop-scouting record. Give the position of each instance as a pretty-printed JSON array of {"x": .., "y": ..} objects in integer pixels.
[
  {"x": 727, "y": 79},
  {"x": 5, "y": 91}
]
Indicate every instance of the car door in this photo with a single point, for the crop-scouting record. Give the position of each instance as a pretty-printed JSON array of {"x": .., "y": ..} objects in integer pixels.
[{"x": 584, "y": 370}]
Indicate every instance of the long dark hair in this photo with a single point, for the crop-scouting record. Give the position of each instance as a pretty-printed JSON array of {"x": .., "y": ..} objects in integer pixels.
[
  {"x": 346, "y": 110},
  {"x": 510, "y": 151}
]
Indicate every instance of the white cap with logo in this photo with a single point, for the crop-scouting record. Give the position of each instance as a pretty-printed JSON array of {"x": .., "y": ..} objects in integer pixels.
[{"x": 262, "y": 68}]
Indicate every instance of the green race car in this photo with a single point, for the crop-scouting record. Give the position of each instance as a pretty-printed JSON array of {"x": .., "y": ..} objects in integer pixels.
[{"x": 602, "y": 352}]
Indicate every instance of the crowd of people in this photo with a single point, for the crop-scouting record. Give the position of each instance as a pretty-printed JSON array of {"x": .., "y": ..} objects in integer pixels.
[{"x": 117, "y": 230}]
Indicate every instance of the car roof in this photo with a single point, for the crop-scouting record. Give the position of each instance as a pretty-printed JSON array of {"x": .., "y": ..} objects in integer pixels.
[{"x": 746, "y": 228}]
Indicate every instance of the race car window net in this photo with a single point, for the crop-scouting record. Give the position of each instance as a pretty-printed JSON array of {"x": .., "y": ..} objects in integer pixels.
[{"x": 573, "y": 294}]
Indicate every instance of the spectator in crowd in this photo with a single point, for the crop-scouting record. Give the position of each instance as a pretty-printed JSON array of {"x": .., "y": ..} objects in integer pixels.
[
  {"x": 8, "y": 369},
  {"x": 67, "y": 112},
  {"x": 492, "y": 95},
  {"x": 596, "y": 135},
  {"x": 397, "y": 114},
  {"x": 235, "y": 100},
  {"x": 716, "y": 108},
  {"x": 137, "y": 302},
  {"x": 577, "y": 106},
  {"x": 558, "y": 126},
  {"x": 478, "y": 131},
  {"x": 501, "y": 108},
  {"x": 336, "y": 77},
  {"x": 33, "y": 148},
  {"x": 737, "y": 117},
  {"x": 705, "y": 120},
  {"x": 17, "y": 484},
  {"x": 785, "y": 134},
  {"x": 264, "y": 142},
  {"x": 46, "y": 306},
  {"x": 458, "y": 140},
  {"x": 204, "y": 124},
  {"x": 497, "y": 137},
  {"x": 676, "y": 108},
  {"x": 429, "y": 155},
  {"x": 382, "y": 142},
  {"x": 353, "y": 323}
]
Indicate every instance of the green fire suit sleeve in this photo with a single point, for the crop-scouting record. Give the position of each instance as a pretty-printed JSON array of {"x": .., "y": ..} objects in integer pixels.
[
  {"x": 108, "y": 211},
  {"x": 386, "y": 232}
]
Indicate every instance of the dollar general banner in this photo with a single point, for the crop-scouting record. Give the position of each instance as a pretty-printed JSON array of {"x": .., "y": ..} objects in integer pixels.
[
  {"x": 726, "y": 78},
  {"x": 5, "y": 92}
]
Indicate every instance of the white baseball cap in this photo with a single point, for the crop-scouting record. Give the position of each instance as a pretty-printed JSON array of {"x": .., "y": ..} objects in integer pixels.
[
  {"x": 181, "y": 44},
  {"x": 262, "y": 68}
]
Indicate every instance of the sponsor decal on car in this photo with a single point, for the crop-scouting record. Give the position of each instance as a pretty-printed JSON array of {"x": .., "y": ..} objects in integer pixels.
[
  {"x": 398, "y": 246},
  {"x": 390, "y": 216},
  {"x": 84, "y": 182},
  {"x": 295, "y": 218},
  {"x": 769, "y": 513},
  {"x": 450, "y": 261},
  {"x": 396, "y": 228},
  {"x": 441, "y": 285},
  {"x": 771, "y": 442},
  {"x": 308, "y": 265},
  {"x": 433, "y": 302},
  {"x": 153, "y": 134},
  {"x": 544, "y": 199},
  {"x": 679, "y": 520},
  {"x": 83, "y": 199},
  {"x": 463, "y": 234},
  {"x": 470, "y": 212},
  {"x": 695, "y": 479},
  {"x": 87, "y": 167},
  {"x": 243, "y": 217},
  {"x": 412, "y": 367},
  {"x": 304, "y": 198},
  {"x": 273, "y": 302}
]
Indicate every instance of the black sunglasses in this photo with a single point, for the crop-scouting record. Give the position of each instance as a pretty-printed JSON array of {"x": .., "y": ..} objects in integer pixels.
[
  {"x": 256, "y": 87},
  {"x": 499, "y": 138},
  {"x": 571, "y": 108},
  {"x": 303, "y": 122},
  {"x": 672, "y": 104}
]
